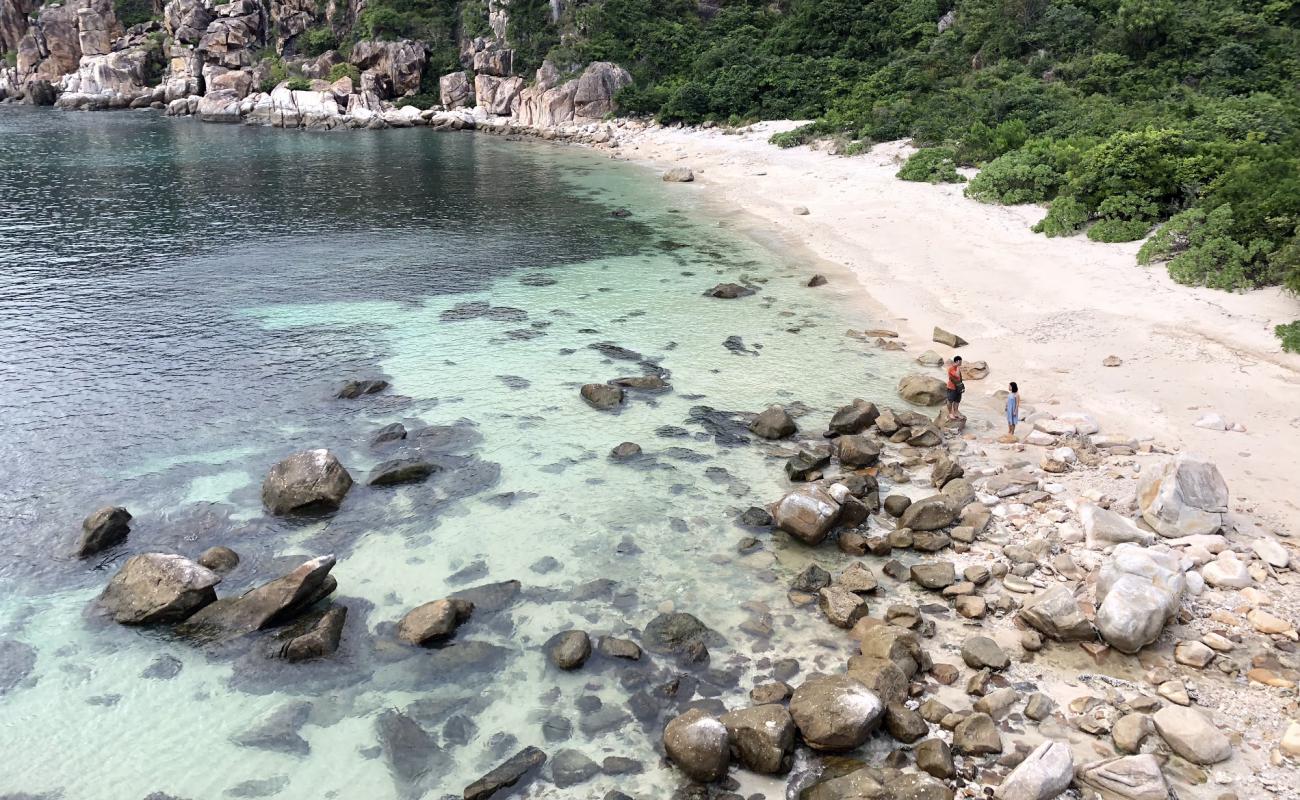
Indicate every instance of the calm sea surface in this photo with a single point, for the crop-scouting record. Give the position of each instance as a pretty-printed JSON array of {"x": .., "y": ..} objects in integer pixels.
[{"x": 178, "y": 304}]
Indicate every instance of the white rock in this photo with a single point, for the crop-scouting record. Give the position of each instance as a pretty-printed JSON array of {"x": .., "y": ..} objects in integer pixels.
[
  {"x": 1138, "y": 591},
  {"x": 1083, "y": 423},
  {"x": 1271, "y": 552},
  {"x": 1103, "y": 527},
  {"x": 1054, "y": 427},
  {"x": 1212, "y": 422},
  {"x": 1226, "y": 572},
  {"x": 1041, "y": 439},
  {"x": 1044, "y": 774},
  {"x": 1065, "y": 454},
  {"x": 1183, "y": 496}
]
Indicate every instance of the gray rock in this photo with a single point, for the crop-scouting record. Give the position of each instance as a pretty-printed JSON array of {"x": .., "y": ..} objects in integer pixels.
[
  {"x": 929, "y": 513},
  {"x": 319, "y": 641},
  {"x": 569, "y": 649},
  {"x": 922, "y": 390},
  {"x": 1125, "y": 778},
  {"x": 945, "y": 469},
  {"x": 933, "y": 756},
  {"x": 602, "y": 396},
  {"x": 1138, "y": 592},
  {"x": 679, "y": 175},
  {"x": 156, "y": 588},
  {"x": 571, "y": 767},
  {"x": 1044, "y": 774},
  {"x": 1183, "y": 496},
  {"x": 278, "y": 732},
  {"x": 811, "y": 579},
  {"x": 1191, "y": 735},
  {"x": 625, "y": 451},
  {"x": 1055, "y": 613},
  {"x": 950, "y": 339},
  {"x": 270, "y": 604},
  {"x": 1130, "y": 730},
  {"x": 904, "y": 724},
  {"x": 516, "y": 771},
  {"x": 103, "y": 529},
  {"x": 881, "y": 676},
  {"x": 977, "y": 735},
  {"x": 981, "y": 652},
  {"x": 221, "y": 560},
  {"x": 409, "y": 749},
  {"x": 857, "y": 450},
  {"x": 934, "y": 575},
  {"x": 854, "y": 418},
  {"x": 401, "y": 470},
  {"x": 612, "y": 647},
  {"x": 433, "y": 621},
  {"x": 675, "y": 633},
  {"x": 312, "y": 481},
  {"x": 699, "y": 745},
  {"x": 762, "y": 737},
  {"x": 774, "y": 423},
  {"x": 17, "y": 660},
  {"x": 896, "y": 504},
  {"x": 840, "y": 606},
  {"x": 895, "y": 644},
  {"x": 835, "y": 712},
  {"x": 808, "y": 513}
]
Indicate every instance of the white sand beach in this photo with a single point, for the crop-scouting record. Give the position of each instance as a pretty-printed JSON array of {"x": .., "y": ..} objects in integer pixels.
[{"x": 1042, "y": 312}]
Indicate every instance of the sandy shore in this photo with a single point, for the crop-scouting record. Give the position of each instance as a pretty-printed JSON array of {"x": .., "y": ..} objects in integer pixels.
[{"x": 1042, "y": 312}]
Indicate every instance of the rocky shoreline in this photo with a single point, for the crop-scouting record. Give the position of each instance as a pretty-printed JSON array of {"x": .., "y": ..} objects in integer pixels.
[{"x": 1066, "y": 610}]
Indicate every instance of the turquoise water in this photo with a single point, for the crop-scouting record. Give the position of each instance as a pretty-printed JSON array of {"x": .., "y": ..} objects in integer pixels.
[{"x": 177, "y": 303}]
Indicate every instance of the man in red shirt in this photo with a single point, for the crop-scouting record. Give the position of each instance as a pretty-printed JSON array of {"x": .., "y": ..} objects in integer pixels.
[{"x": 955, "y": 389}]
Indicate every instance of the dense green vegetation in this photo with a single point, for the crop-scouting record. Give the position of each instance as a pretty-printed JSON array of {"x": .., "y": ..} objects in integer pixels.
[
  {"x": 134, "y": 12},
  {"x": 1126, "y": 116}
]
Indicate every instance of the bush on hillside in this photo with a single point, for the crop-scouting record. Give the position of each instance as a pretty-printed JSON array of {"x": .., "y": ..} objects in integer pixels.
[{"x": 931, "y": 165}]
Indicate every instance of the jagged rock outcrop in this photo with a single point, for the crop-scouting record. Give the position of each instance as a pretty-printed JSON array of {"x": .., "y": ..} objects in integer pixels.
[
  {"x": 51, "y": 47},
  {"x": 97, "y": 27},
  {"x": 599, "y": 82},
  {"x": 187, "y": 20},
  {"x": 290, "y": 19},
  {"x": 1184, "y": 496},
  {"x": 590, "y": 96},
  {"x": 231, "y": 39},
  {"x": 394, "y": 67},
  {"x": 110, "y": 81},
  {"x": 455, "y": 89},
  {"x": 499, "y": 96},
  {"x": 13, "y": 22},
  {"x": 289, "y": 108}
]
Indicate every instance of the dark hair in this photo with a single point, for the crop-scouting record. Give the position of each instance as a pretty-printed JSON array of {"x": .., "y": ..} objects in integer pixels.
[
  {"x": 956, "y": 359},
  {"x": 1014, "y": 387}
]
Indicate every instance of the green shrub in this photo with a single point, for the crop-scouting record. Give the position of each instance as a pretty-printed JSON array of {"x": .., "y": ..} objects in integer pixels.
[
  {"x": 1290, "y": 336},
  {"x": 1032, "y": 174},
  {"x": 421, "y": 100},
  {"x": 1064, "y": 217},
  {"x": 345, "y": 70},
  {"x": 1200, "y": 250},
  {"x": 299, "y": 84},
  {"x": 11, "y": 58},
  {"x": 1118, "y": 230},
  {"x": 793, "y": 138},
  {"x": 932, "y": 165},
  {"x": 316, "y": 41},
  {"x": 277, "y": 74},
  {"x": 133, "y": 12}
]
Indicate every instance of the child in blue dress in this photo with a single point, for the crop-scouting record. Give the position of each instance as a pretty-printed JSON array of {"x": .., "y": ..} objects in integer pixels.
[{"x": 1013, "y": 409}]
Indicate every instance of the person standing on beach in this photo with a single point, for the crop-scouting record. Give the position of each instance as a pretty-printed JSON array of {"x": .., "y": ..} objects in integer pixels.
[
  {"x": 1013, "y": 409},
  {"x": 955, "y": 389}
]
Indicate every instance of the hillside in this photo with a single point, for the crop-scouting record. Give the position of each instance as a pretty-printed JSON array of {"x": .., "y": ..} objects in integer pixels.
[{"x": 1125, "y": 115}]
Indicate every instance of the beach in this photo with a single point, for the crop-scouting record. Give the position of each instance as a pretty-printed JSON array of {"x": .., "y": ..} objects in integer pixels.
[{"x": 1042, "y": 312}]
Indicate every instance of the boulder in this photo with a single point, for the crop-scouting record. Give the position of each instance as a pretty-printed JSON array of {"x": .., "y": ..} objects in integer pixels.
[
  {"x": 597, "y": 85},
  {"x": 699, "y": 745},
  {"x": 1183, "y": 496},
  {"x": 320, "y": 640},
  {"x": 602, "y": 396},
  {"x": 944, "y": 470},
  {"x": 516, "y": 771},
  {"x": 897, "y": 645},
  {"x": 1138, "y": 591},
  {"x": 153, "y": 588},
  {"x": 896, "y": 504},
  {"x": 434, "y": 621},
  {"x": 1125, "y": 778},
  {"x": 103, "y": 529},
  {"x": 729, "y": 291},
  {"x": 922, "y": 390},
  {"x": 455, "y": 89},
  {"x": 933, "y": 756},
  {"x": 569, "y": 649},
  {"x": 1227, "y": 571},
  {"x": 977, "y": 735},
  {"x": 840, "y": 606},
  {"x": 311, "y": 481},
  {"x": 401, "y": 470},
  {"x": 499, "y": 96},
  {"x": 1044, "y": 774},
  {"x": 396, "y": 66},
  {"x": 981, "y": 652},
  {"x": 881, "y": 676},
  {"x": 220, "y": 106},
  {"x": 294, "y": 108},
  {"x": 270, "y": 604},
  {"x": 360, "y": 388},
  {"x": 625, "y": 451},
  {"x": 905, "y": 724},
  {"x": 761, "y": 737},
  {"x": 1055, "y": 613},
  {"x": 679, "y": 175},
  {"x": 1103, "y": 528},
  {"x": 856, "y": 450},
  {"x": 675, "y": 633},
  {"x": 571, "y": 767},
  {"x": 854, "y": 418},
  {"x": 934, "y": 575},
  {"x": 808, "y": 513},
  {"x": 221, "y": 560},
  {"x": 835, "y": 712},
  {"x": 929, "y": 513},
  {"x": 1191, "y": 735},
  {"x": 774, "y": 423},
  {"x": 951, "y": 339}
]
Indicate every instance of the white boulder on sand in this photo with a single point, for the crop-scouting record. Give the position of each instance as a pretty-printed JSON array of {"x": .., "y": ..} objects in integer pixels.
[
  {"x": 1183, "y": 496},
  {"x": 1138, "y": 591}
]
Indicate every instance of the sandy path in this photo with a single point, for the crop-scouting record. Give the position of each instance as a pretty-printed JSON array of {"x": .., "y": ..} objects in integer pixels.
[{"x": 1043, "y": 312}]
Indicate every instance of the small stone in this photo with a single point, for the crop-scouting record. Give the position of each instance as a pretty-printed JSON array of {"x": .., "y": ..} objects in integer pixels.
[
  {"x": 904, "y": 724},
  {"x": 1039, "y": 707},
  {"x": 1111, "y": 361},
  {"x": 977, "y": 735},
  {"x": 1191, "y": 735},
  {"x": 934, "y": 575},
  {"x": 1174, "y": 692},
  {"x": 1290, "y": 744},
  {"x": 1130, "y": 730},
  {"x": 767, "y": 693},
  {"x": 1218, "y": 643},
  {"x": 840, "y": 606},
  {"x": 971, "y": 606},
  {"x": 976, "y": 574},
  {"x": 997, "y": 703},
  {"x": 945, "y": 674},
  {"x": 1265, "y": 622},
  {"x": 1193, "y": 654},
  {"x": 569, "y": 649},
  {"x": 1031, "y": 641}
]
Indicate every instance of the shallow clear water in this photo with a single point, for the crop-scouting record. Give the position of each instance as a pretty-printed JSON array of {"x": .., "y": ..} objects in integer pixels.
[{"x": 177, "y": 304}]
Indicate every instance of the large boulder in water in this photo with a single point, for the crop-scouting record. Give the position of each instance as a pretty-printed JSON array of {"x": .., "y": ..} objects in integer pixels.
[
  {"x": 270, "y": 604},
  {"x": 774, "y": 423},
  {"x": 433, "y": 621},
  {"x": 1138, "y": 591},
  {"x": 762, "y": 737},
  {"x": 312, "y": 481},
  {"x": 698, "y": 744},
  {"x": 807, "y": 513},
  {"x": 103, "y": 529},
  {"x": 675, "y": 633},
  {"x": 856, "y": 450},
  {"x": 158, "y": 587},
  {"x": 602, "y": 396},
  {"x": 923, "y": 390},
  {"x": 1183, "y": 496},
  {"x": 854, "y": 418},
  {"x": 835, "y": 712}
]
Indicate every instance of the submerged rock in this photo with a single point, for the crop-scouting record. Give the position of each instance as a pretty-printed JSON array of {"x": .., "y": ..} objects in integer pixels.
[
  {"x": 278, "y": 732},
  {"x": 602, "y": 396},
  {"x": 156, "y": 588},
  {"x": 410, "y": 750},
  {"x": 675, "y": 633},
  {"x": 517, "y": 771},
  {"x": 16, "y": 662},
  {"x": 729, "y": 291},
  {"x": 321, "y": 640},
  {"x": 103, "y": 529},
  {"x": 359, "y": 388},
  {"x": 311, "y": 481},
  {"x": 221, "y": 560},
  {"x": 401, "y": 470}
]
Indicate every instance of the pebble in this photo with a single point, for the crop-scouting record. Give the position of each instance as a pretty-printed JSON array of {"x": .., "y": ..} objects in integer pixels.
[
  {"x": 1265, "y": 622},
  {"x": 1174, "y": 692},
  {"x": 1290, "y": 744},
  {"x": 1193, "y": 654},
  {"x": 1217, "y": 642},
  {"x": 1273, "y": 553},
  {"x": 1031, "y": 641}
]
